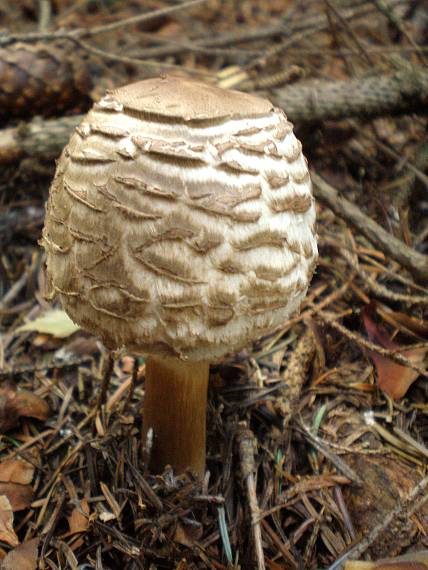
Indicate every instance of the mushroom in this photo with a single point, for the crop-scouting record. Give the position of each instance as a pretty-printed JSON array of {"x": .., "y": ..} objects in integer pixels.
[{"x": 180, "y": 226}]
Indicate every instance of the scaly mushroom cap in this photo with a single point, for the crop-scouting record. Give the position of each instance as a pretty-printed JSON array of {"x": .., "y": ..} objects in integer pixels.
[{"x": 181, "y": 220}]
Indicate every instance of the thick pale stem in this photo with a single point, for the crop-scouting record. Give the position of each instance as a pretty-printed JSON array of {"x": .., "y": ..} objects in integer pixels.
[{"x": 175, "y": 406}]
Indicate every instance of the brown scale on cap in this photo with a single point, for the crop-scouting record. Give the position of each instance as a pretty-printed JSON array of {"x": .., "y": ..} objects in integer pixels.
[{"x": 180, "y": 224}]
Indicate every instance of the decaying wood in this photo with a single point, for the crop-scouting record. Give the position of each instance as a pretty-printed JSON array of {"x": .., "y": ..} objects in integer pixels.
[
  {"x": 404, "y": 91},
  {"x": 393, "y": 522}
]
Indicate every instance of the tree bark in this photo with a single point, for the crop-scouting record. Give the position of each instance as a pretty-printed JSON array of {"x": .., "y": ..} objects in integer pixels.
[{"x": 405, "y": 91}]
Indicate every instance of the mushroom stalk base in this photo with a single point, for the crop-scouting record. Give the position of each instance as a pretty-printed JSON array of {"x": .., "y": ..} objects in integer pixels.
[{"x": 175, "y": 404}]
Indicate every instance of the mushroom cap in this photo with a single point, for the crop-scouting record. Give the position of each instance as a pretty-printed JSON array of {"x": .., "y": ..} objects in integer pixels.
[
  {"x": 186, "y": 99},
  {"x": 181, "y": 220}
]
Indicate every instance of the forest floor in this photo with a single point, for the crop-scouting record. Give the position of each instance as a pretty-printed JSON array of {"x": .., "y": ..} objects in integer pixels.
[{"x": 317, "y": 435}]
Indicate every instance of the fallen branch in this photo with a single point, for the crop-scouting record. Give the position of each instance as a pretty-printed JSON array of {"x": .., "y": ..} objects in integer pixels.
[
  {"x": 404, "y": 91},
  {"x": 415, "y": 262},
  {"x": 246, "y": 443},
  {"x": 38, "y": 139}
]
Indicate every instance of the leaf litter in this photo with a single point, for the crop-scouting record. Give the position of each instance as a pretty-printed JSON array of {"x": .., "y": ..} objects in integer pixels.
[{"x": 317, "y": 434}]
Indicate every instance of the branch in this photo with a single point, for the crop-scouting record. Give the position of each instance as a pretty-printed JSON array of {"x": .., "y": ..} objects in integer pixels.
[
  {"x": 404, "y": 91},
  {"x": 38, "y": 139},
  {"x": 80, "y": 33},
  {"x": 286, "y": 28},
  {"x": 415, "y": 262}
]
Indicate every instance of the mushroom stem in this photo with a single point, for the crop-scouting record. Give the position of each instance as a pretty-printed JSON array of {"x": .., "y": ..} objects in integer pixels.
[{"x": 175, "y": 405}]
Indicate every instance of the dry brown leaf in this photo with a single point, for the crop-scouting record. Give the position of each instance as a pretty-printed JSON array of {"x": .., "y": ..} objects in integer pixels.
[
  {"x": 78, "y": 521},
  {"x": 23, "y": 557},
  {"x": 46, "y": 342},
  {"x": 394, "y": 379},
  {"x": 7, "y": 534},
  {"x": 31, "y": 406},
  {"x": 16, "y": 471},
  {"x": 14, "y": 404},
  {"x": 19, "y": 496},
  {"x": 187, "y": 534}
]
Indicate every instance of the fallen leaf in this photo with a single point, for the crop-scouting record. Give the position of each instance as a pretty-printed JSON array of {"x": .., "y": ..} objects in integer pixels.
[
  {"x": 188, "y": 534},
  {"x": 54, "y": 322},
  {"x": 393, "y": 378},
  {"x": 46, "y": 341},
  {"x": 23, "y": 557},
  {"x": 20, "y": 497},
  {"x": 16, "y": 471},
  {"x": 29, "y": 405},
  {"x": 7, "y": 534},
  {"x": 78, "y": 521},
  {"x": 14, "y": 404}
]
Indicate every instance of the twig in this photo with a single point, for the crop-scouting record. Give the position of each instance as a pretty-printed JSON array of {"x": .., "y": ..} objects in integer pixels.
[
  {"x": 318, "y": 443},
  {"x": 17, "y": 287},
  {"x": 108, "y": 370},
  {"x": 53, "y": 365},
  {"x": 45, "y": 12},
  {"x": 283, "y": 548},
  {"x": 371, "y": 284},
  {"x": 350, "y": 32},
  {"x": 416, "y": 171},
  {"x": 80, "y": 33},
  {"x": 415, "y": 262},
  {"x": 245, "y": 440},
  {"x": 292, "y": 31},
  {"x": 395, "y": 21},
  {"x": 361, "y": 341},
  {"x": 136, "y": 61},
  {"x": 134, "y": 380}
]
